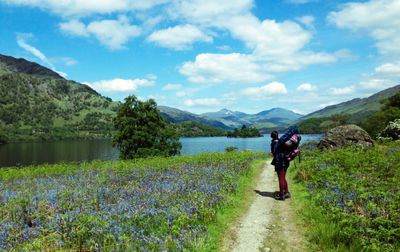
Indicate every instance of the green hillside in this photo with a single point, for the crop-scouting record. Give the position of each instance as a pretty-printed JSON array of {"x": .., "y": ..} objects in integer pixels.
[
  {"x": 37, "y": 103},
  {"x": 195, "y": 129},
  {"x": 372, "y": 113},
  {"x": 358, "y": 109}
]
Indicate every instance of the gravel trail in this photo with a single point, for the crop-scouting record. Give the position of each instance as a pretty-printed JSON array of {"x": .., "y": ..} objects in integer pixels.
[{"x": 264, "y": 220}]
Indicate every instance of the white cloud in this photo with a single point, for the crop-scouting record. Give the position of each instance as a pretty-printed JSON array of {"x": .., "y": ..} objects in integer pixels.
[
  {"x": 275, "y": 47},
  {"x": 380, "y": 18},
  {"x": 230, "y": 97},
  {"x": 181, "y": 94},
  {"x": 69, "y": 61},
  {"x": 180, "y": 37},
  {"x": 342, "y": 91},
  {"x": 269, "y": 39},
  {"x": 22, "y": 42},
  {"x": 172, "y": 87},
  {"x": 391, "y": 69},
  {"x": 74, "y": 27},
  {"x": 152, "y": 76},
  {"x": 88, "y": 7},
  {"x": 111, "y": 33},
  {"x": 224, "y": 47},
  {"x": 346, "y": 55},
  {"x": 160, "y": 99},
  {"x": 306, "y": 87},
  {"x": 217, "y": 68},
  {"x": 384, "y": 76},
  {"x": 114, "y": 33},
  {"x": 209, "y": 12},
  {"x": 299, "y": 60},
  {"x": 300, "y": 1},
  {"x": 209, "y": 102},
  {"x": 120, "y": 85},
  {"x": 308, "y": 21},
  {"x": 376, "y": 84},
  {"x": 265, "y": 92}
]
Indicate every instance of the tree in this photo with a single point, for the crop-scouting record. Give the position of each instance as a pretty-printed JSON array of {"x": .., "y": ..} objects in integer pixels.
[
  {"x": 244, "y": 132},
  {"x": 389, "y": 112},
  {"x": 142, "y": 131},
  {"x": 3, "y": 138}
]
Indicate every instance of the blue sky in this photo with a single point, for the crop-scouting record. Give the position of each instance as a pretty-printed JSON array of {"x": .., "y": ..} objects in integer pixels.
[{"x": 205, "y": 55}]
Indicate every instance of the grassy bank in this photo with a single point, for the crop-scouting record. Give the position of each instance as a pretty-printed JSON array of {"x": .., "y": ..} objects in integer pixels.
[
  {"x": 348, "y": 200},
  {"x": 148, "y": 204}
]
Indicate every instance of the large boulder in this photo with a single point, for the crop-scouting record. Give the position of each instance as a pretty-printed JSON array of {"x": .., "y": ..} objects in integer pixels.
[
  {"x": 392, "y": 131},
  {"x": 344, "y": 136}
]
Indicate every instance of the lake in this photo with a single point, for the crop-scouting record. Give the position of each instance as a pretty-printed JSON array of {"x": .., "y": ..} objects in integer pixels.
[{"x": 22, "y": 154}]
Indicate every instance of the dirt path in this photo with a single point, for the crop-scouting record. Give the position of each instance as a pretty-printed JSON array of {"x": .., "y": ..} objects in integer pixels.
[{"x": 269, "y": 224}]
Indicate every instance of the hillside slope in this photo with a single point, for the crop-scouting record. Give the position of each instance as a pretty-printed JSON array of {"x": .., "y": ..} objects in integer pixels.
[
  {"x": 37, "y": 103},
  {"x": 358, "y": 108}
]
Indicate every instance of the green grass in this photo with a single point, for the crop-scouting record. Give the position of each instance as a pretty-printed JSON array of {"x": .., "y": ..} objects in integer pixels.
[
  {"x": 348, "y": 199},
  {"x": 313, "y": 222},
  {"x": 153, "y": 204}
]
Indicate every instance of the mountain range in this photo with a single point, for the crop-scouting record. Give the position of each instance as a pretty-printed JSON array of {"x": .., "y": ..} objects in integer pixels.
[
  {"x": 35, "y": 97},
  {"x": 228, "y": 120}
]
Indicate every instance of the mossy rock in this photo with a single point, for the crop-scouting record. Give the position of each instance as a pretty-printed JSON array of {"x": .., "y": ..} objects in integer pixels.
[{"x": 344, "y": 136}]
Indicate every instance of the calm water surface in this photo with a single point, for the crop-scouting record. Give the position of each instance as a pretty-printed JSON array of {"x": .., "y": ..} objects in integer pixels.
[{"x": 21, "y": 154}]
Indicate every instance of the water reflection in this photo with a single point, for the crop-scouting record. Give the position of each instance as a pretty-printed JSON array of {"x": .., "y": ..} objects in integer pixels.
[{"x": 20, "y": 154}]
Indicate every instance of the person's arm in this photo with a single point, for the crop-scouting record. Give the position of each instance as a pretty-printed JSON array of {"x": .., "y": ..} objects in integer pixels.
[{"x": 274, "y": 146}]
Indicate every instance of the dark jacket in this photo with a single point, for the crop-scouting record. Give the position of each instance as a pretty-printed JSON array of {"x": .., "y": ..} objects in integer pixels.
[{"x": 278, "y": 150}]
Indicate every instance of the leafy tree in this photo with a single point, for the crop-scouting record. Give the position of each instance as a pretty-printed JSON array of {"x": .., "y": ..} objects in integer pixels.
[
  {"x": 389, "y": 112},
  {"x": 142, "y": 131},
  {"x": 3, "y": 138},
  {"x": 231, "y": 148},
  {"x": 244, "y": 132}
]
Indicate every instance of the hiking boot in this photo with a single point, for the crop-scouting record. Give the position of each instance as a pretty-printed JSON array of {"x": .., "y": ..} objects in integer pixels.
[
  {"x": 287, "y": 195},
  {"x": 279, "y": 197}
]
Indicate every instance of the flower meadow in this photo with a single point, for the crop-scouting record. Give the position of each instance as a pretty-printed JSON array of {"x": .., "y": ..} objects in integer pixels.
[
  {"x": 154, "y": 204},
  {"x": 359, "y": 189}
]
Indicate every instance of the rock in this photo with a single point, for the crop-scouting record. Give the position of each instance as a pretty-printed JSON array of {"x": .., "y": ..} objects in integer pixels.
[
  {"x": 196, "y": 129},
  {"x": 391, "y": 131},
  {"x": 344, "y": 136}
]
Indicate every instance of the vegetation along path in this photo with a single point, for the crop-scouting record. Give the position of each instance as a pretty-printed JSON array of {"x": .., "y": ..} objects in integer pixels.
[{"x": 269, "y": 224}]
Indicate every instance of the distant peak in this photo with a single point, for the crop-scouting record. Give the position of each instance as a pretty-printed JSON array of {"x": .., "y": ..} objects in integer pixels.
[{"x": 226, "y": 111}]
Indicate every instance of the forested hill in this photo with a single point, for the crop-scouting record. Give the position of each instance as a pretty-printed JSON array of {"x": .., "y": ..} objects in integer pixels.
[
  {"x": 358, "y": 108},
  {"x": 37, "y": 103}
]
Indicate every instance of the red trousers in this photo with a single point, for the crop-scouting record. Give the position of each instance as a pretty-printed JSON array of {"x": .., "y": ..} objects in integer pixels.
[{"x": 283, "y": 186}]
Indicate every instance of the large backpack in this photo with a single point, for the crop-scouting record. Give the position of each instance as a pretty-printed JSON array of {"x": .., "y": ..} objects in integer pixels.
[
  {"x": 292, "y": 143},
  {"x": 292, "y": 147}
]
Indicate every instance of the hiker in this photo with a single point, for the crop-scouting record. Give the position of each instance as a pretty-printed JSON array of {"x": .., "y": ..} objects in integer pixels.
[{"x": 280, "y": 161}]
